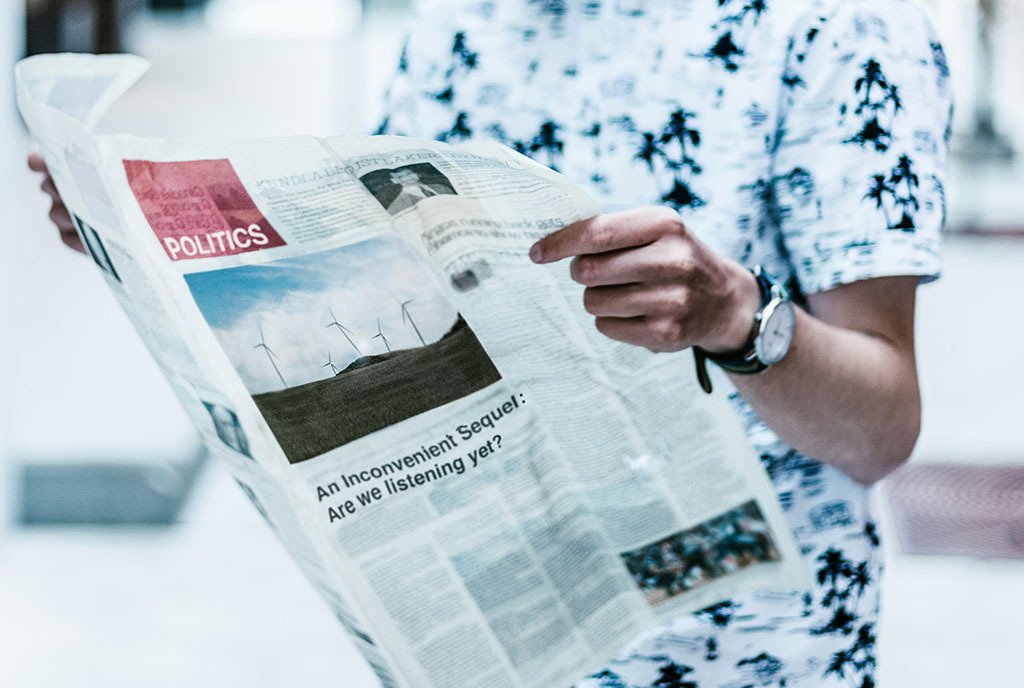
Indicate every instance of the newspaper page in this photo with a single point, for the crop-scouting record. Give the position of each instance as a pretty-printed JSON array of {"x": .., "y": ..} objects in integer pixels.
[{"x": 485, "y": 490}]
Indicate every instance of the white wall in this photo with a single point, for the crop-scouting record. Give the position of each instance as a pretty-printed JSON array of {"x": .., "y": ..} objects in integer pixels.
[
  {"x": 12, "y": 21},
  {"x": 75, "y": 383}
]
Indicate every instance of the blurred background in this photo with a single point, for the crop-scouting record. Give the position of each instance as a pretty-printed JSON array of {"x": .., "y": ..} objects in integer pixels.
[{"x": 128, "y": 560}]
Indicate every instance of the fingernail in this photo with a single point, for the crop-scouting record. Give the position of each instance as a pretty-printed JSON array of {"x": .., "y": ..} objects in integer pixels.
[{"x": 536, "y": 255}]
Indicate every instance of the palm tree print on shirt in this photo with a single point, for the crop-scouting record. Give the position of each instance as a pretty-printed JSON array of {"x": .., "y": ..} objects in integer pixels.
[
  {"x": 771, "y": 196},
  {"x": 673, "y": 675},
  {"x": 858, "y": 658},
  {"x": 609, "y": 679},
  {"x": 896, "y": 190},
  {"x": 878, "y": 106},
  {"x": 459, "y": 131},
  {"x": 719, "y": 615},
  {"x": 463, "y": 56},
  {"x": 725, "y": 50},
  {"x": 555, "y": 9},
  {"x": 798, "y": 47},
  {"x": 463, "y": 61},
  {"x": 767, "y": 669},
  {"x": 548, "y": 141},
  {"x": 845, "y": 582},
  {"x": 671, "y": 151}
]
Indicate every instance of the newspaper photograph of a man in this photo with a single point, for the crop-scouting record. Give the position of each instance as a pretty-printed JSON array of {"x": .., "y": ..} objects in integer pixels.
[
  {"x": 690, "y": 558},
  {"x": 95, "y": 248},
  {"x": 342, "y": 343},
  {"x": 401, "y": 188},
  {"x": 228, "y": 428}
]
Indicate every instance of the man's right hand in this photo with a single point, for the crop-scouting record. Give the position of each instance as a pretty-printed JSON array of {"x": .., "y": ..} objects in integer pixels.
[{"x": 59, "y": 214}]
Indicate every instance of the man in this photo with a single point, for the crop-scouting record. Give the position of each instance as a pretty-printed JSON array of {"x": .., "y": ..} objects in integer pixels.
[
  {"x": 751, "y": 148},
  {"x": 778, "y": 169},
  {"x": 412, "y": 190}
]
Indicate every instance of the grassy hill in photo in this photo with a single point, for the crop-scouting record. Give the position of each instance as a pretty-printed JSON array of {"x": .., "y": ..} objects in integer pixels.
[{"x": 375, "y": 392}]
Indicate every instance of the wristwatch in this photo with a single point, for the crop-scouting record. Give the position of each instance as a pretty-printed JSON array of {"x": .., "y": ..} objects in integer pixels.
[{"x": 770, "y": 336}]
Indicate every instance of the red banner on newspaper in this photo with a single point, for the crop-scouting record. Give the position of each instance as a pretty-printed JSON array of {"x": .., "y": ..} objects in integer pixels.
[{"x": 199, "y": 208}]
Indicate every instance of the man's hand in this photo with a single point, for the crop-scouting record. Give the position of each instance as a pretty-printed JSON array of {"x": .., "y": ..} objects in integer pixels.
[
  {"x": 846, "y": 392},
  {"x": 59, "y": 214},
  {"x": 651, "y": 282}
]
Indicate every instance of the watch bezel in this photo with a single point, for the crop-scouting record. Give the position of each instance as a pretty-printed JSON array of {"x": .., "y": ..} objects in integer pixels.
[
  {"x": 752, "y": 359},
  {"x": 767, "y": 314}
]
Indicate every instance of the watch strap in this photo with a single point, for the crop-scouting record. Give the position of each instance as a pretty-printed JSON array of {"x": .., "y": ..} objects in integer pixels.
[
  {"x": 737, "y": 364},
  {"x": 700, "y": 358},
  {"x": 744, "y": 361},
  {"x": 746, "y": 364}
]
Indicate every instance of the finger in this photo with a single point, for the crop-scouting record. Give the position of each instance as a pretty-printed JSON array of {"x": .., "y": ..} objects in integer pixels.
[
  {"x": 605, "y": 233},
  {"x": 631, "y": 300},
  {"x": 72, "y": 240},
  {"x": 49, "y": 188},
  {"x": 650, "y": 263},
  {"x": 656, "y": 334},
  {"x": 60, "y": 216},
  {"x": 35, "y": 161}
]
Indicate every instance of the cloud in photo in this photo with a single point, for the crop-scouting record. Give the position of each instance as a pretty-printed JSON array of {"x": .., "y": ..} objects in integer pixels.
[{"x": 291, "y": 299}]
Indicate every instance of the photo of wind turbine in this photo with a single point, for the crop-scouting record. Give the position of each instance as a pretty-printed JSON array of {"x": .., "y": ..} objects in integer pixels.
[
  {"x": 380, "y": 335},
  {"x": 270, "y": 356},
  {"x": 378, "y": 378},
  {"x": 407, "y": 318},
  {"x": 330, "y": 364},
  {"x": 344, "y": 331}
]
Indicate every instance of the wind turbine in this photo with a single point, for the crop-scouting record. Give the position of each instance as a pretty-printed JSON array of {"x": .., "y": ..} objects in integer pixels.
[
  {"x": 330, "y": 363},
  {"x": 407, "y": 316},
  {"x": 380, "y": 335},
  {"x": 344, "y": 331},
  {"x": 270, "y": 356}
]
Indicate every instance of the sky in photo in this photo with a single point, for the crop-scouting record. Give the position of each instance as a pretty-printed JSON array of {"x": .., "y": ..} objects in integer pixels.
[{"x": 291, "y": 299}]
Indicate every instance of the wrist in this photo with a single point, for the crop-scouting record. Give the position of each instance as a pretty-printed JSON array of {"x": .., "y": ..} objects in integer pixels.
[{"x": 743, "y": 296}]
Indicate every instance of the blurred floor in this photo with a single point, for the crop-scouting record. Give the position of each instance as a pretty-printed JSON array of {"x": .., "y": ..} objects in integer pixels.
[{"x": 215, "y": 601}]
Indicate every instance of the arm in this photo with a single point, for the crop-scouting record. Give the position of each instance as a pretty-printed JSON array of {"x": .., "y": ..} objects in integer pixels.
[{"x": 846, "y": 393}]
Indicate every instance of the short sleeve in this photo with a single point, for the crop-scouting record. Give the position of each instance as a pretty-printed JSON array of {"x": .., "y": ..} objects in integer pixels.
[{"x": 860, "y": 154}]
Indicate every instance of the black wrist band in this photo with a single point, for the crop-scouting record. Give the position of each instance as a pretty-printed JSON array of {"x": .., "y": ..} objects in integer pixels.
[{"x": 743, "y": 361}]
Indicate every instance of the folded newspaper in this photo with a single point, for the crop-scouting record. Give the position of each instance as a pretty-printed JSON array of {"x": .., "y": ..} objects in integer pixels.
[{"x": 485, "y": 490}]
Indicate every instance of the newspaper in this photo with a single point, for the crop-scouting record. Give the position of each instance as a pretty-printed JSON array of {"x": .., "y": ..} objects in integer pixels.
[{"x": 485, "y": 490}]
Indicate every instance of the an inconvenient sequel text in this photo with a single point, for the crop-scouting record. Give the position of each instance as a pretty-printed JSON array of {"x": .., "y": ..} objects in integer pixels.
[{"x": 428, "y": 463}]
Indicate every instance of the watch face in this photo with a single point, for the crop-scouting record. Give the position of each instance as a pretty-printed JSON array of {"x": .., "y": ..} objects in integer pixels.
[{"x": 777, "y": 330}]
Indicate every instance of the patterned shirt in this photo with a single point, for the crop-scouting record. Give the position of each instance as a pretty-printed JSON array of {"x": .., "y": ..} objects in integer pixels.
[{"x": 806, "y": 136}]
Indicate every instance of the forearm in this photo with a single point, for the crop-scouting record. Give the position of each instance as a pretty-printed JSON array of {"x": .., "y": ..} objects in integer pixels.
[{"x": 842, "y": 396}]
